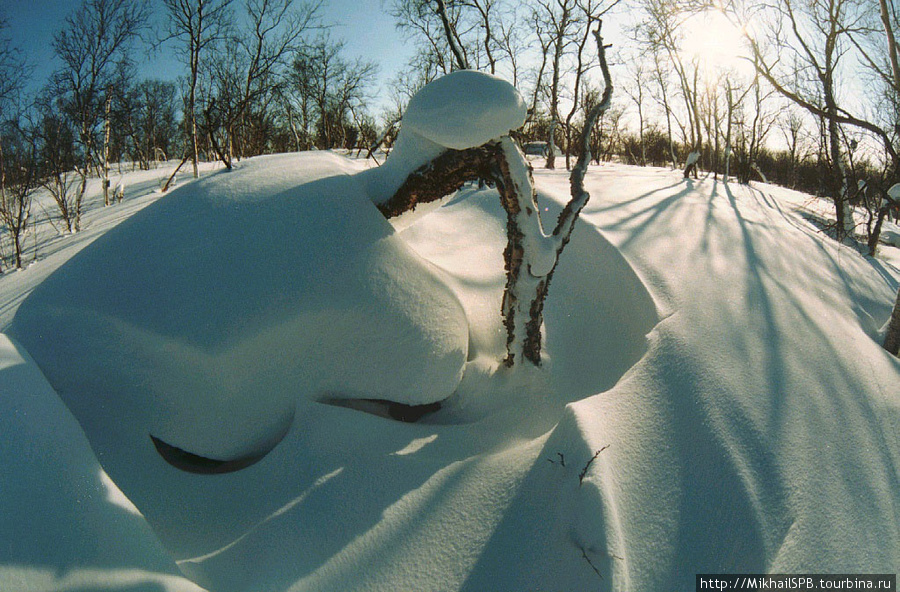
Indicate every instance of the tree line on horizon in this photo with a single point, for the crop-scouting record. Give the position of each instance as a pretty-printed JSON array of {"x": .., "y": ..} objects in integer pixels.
[{"x": 819, "y": 113}]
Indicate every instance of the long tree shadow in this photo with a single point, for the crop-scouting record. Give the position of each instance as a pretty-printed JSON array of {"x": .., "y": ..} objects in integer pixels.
[
  {"x": 792, "y": 338},
  {"x": 643, "y": 219}
]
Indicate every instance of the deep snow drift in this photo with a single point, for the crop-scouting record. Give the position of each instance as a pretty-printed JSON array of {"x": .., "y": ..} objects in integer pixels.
[
  {"x": 723, "y": 350},
  {"x": 306, "y": 293}
]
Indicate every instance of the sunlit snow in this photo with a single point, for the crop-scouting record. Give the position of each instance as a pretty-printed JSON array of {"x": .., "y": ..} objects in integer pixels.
[{"x": 720, "y": 351}]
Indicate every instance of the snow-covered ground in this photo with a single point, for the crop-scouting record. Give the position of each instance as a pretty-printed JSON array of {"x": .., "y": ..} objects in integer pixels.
[{"x": 720, "y": 351}]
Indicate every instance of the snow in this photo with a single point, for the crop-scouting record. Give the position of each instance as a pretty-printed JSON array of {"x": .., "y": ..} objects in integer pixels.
[
  {"x": 465, "y": 109},
  {"x": 723, "y": 349},
  {"x": 65, "y": 524},
  {"x": 890, "y": 234},
  {"x": 461, "y": 110},
  {"x": 306, "y": 291},
  {"x": 894, "y": 192}
]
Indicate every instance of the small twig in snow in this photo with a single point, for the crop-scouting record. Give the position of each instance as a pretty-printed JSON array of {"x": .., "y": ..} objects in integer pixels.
[
  {"x": 584, "y": 471},
  {"x": 591, "y": 563},
  {"x": 562, "y": 460}
]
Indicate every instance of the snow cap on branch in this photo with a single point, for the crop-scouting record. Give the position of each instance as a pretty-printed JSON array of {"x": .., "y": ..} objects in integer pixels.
[
  {"x": 894, "y": 192},
  {"x": 465, "y": 109},
  {"x": 461, "y": 110}
]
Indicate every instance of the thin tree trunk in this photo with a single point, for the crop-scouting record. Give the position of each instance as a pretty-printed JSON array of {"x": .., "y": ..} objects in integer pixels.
[
  {"x": 192, "y": 104},
  {"x": 531, "y": 256},
  {"x": 891, "y": 42},
  {"x": 729, "y": 98},
  {"x": 892, "y": 338},
  {"x": 452, "y": 39},
  {"x": 106, "y": 126}
]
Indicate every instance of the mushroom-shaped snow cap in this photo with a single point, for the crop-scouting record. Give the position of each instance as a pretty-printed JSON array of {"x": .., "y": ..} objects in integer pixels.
[{"x": 465, "y": 109}]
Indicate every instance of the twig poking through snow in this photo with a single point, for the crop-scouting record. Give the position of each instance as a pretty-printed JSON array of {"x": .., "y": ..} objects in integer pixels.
[
  {"x": 584, "y": 471},
  {"x": 561, "y": 462},
  {"x": 591, "y": 563}
]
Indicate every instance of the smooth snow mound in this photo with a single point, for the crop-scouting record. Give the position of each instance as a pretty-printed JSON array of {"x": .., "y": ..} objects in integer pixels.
[
  {"x": 465, "y": 109},
  {"x": 753, "y": 428},
  {"x": 65, "y": 525},
  {"x": 206, "y": 316}
]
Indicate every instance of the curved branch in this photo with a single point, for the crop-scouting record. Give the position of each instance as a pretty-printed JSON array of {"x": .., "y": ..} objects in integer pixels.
[
  {"x": 452, "y": 38},
  {"x": 576, "y": 180},
  {"x": 848, "y": 119}
]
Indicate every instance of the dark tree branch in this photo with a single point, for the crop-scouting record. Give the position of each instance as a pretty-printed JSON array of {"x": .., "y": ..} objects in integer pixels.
[
  {"x": 531, "y": 256},
  {"x": 452, "y": 37}
]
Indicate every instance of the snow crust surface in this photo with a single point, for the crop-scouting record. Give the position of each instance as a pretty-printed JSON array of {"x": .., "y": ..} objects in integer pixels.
[{"x": 720, "y": 351}]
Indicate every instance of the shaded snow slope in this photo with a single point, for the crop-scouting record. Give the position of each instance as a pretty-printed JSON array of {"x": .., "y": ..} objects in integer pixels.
[
  {"x": 48, "y": 246},
  {"x": 760, "y": 432},
  {"x": 64, "y": 524},
  {"x": 720, "y": 352}
]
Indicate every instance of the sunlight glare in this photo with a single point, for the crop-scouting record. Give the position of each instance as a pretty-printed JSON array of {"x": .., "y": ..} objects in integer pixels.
[{"x": 712, "y": 40}]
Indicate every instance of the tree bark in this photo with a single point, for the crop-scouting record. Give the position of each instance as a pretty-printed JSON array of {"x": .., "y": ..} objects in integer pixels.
[
  {"x": 892, "y": 338},
  {"x": 530, "y": 256}
]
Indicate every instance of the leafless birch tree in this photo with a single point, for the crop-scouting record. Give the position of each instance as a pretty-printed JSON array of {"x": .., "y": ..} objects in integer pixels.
[
  {"x": 531, "y": 255},
  {"x": 197, "y": 25}
]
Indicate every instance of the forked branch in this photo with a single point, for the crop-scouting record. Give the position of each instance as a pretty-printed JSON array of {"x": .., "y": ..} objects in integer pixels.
[{"x": 531, "y": 255}]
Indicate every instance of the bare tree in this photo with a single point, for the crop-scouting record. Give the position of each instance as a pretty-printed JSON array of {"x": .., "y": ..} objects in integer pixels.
[
  {"x": 452, "y": 37},
  {"x": 148, "y": 116},
  {"x": 332, "y": 87},
  {"x": 531, "y": 255},
  {"x": 659, "y": 73},
  {"x": 58, "y": 159},
  {"x": 591, "y": 13},
  {"x": 511, "y": 44},
  {"x": 636, "y": 93},
  {"x": 246, "y": 82},
  {"x": 13, "y": 76},
  {"x": 792, "y": 131},
  {"x": 817, "y": 34},
  {"x": 15, "y": 201},
  {"x": 198, "y": 25},
  {"x": 556, "y": 23},
  {"x": 419, "y": 21},
  {"x": 661, "y": 31},
  {"x": 93, "y": 47}
]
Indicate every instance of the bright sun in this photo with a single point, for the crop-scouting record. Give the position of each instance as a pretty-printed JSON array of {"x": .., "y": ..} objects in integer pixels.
[{"x": 716, "y": 43}]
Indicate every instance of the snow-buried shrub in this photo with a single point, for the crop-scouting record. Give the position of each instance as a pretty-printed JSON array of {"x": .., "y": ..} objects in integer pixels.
[
  {"x": 204, "y": 318},
  {"x": 465, "y": 109}
]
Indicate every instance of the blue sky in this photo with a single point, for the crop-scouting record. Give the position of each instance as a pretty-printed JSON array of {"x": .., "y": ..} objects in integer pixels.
[{"x": 364, "y": 24}]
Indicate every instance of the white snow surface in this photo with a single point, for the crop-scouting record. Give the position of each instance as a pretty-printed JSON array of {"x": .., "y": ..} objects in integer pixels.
[
  {"x": 894, "y": 191},
  {"x": 464, "y": 109},
  {"x": 307, "y": 293},
  {"x": 724, "y": 350},
  {"x": 65, "y": 524}
]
